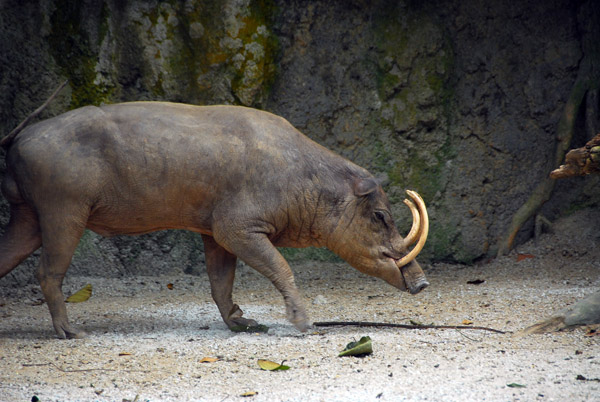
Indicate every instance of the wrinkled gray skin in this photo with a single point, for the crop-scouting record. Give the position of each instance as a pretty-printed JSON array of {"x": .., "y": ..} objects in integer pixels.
[{"x": 245, "y": 179}]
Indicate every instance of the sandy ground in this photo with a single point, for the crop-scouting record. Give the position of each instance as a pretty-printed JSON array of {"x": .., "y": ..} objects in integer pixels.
[{"x": 147, "y": 341}]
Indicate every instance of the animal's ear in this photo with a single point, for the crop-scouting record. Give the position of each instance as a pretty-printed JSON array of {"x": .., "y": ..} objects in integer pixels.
[{"x": 363, "y": 187}]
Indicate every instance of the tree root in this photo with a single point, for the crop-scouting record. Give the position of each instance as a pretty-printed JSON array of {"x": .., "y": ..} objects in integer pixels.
[
  {"x": 543, "y": 191},
  {"x": 587, "y": 82}
]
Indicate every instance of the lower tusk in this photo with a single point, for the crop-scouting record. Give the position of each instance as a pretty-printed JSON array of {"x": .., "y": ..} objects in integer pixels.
[
  {"x": 411, "y": 238},
  {"x": 422, "y": 232}
]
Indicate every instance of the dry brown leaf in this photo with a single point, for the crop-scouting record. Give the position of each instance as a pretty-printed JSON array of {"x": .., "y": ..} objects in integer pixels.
[
  {"x": 249, "y": 393},
  {"x": 170, "y": 286},
  {"x": 467, "y": 322},
  {"x": 124, "y": 354},
  {"x": 521, "y": 257},
  {"x": 209, "y": 359}
]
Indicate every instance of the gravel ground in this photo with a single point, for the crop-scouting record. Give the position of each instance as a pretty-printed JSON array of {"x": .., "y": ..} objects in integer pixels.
[{"x": 147, "y": 341}]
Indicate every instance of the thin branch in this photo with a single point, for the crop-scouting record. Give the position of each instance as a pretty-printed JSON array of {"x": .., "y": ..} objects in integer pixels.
[
  {"x": 393, "y": 325},
  {"x": 80, "y": 370},
  {"x": 7, "y": 139},
  {"x": 471, "y": 339}
]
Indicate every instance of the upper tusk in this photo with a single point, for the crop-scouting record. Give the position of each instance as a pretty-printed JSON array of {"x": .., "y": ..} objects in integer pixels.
[
  {"x": 411, "y": 237},
  {"x": 423, "y": 231}
]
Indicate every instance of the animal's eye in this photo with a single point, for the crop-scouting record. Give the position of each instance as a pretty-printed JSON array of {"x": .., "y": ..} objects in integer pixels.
[{"x": 380, "y": 216}]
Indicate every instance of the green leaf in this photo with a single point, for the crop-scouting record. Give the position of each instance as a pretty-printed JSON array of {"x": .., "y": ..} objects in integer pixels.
[
  {"x": 361, "y": 348},
  {"x": 81, "y": 295},
  {"x": 272, "y": 366},
  {"x": 515, "y": 385}
]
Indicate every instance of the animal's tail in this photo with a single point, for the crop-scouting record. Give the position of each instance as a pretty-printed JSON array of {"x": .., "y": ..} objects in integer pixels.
[{"x": 6, "y": 141}]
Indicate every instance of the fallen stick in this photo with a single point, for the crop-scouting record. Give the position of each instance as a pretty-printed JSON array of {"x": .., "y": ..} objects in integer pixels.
[
  {"x": 56, "y": 366},
  {"x": 393, "y": 325}
]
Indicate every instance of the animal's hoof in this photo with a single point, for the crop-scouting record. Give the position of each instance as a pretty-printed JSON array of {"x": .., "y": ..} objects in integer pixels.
[
  {"x": 298, "y": 317},
  {"x": 70, "y": 333},
  {"x": 252, "y": 329},
  {"x": 76, "y": 334},
  {"x": 303, "y": 325},
  {"x": 241, "y": 322}
]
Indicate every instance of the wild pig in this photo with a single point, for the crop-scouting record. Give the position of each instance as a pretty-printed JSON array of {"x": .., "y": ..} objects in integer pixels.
[{"x": 245, "y": 179}]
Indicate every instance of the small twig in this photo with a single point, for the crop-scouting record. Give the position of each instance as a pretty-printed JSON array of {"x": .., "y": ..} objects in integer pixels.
[
  {"x": 80, "y": 370},
  {"x": 64, "y": 370},
  {"x": 582, "y": 378},
  {"x": 405, "y": 326},
  {"x": 7, "y": 139},
  {"x": 471, "y": 339}
]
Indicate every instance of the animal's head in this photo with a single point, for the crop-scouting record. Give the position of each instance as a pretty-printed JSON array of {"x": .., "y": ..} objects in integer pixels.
[{"x": 367, "y": 238}]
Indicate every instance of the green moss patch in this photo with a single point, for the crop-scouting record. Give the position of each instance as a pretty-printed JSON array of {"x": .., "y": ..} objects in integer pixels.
[{"x": 77, "y": 57}]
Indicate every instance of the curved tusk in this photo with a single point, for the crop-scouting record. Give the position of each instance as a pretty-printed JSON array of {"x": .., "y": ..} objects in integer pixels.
[
  {"x": 411, "y": 237},
  {"x": 423, "y": 230}
]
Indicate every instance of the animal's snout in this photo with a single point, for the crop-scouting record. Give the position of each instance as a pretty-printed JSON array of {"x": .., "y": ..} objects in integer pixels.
[
  {"x": 414, "y": 278},
  {"x": 418, "y": 286}
]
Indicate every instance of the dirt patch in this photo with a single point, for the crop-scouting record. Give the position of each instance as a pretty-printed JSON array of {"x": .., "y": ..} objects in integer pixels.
[{"x": 147, "y": 341}]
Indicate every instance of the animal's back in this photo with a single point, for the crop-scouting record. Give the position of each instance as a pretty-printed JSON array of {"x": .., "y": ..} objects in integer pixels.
[{"x": 145, "y": 166}]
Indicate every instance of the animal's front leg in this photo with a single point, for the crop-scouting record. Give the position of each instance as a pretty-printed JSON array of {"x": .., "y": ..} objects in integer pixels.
[
  {"x": 256, "y": 250},
  {"x": 220, "y": 266}
]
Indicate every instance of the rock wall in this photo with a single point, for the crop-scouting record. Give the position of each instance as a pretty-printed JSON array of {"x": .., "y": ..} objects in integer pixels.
[{"x": 458, "y": 100}]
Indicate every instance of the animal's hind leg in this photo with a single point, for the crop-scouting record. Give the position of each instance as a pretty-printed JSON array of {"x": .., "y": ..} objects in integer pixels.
[
  {"x": 61, "y": 232},
  {"x": 21, "y": 238}
]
